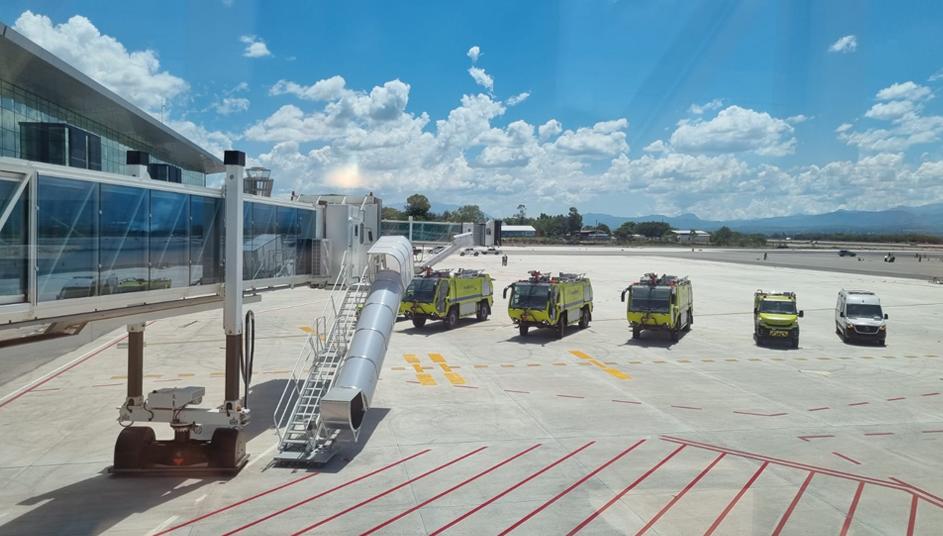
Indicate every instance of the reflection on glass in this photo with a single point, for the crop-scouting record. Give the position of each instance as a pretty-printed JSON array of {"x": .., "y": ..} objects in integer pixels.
[
  {"x": 304, "y": 253},
  {"x": 67, "y": 239},
  {"x": 287, "y": 228},
  {"x": 123, "y": 239},
  {"x": 206, "y": 244},
  {"x": 169, "y": 255},
  {"x": 262, "y": 251},
  {"x": 13, "y": 252}
]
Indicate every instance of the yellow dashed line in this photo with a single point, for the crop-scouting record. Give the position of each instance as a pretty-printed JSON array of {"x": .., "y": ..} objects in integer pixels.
[
  {"x": 307, "y": 329},
  {"x": 425, "y": 379},
  {"x": 589, "y": 360},
  {"x": 732, "y": 360},
  {"x": 185, "y": 375},
  {"x": 866, "y": 357},
  {"x": 153, "y": 375},
  {"x": 410, "y": 358},
  {"x": 707, "y": 361},
  {"x": 453, "y": 377},
  {"x": 754, "y": 359},
  {"x": 533, "y": 364},
  {"x": 399, "y": 368},
  {"x": 559, "y": 364},
  {"x": 684, "y": 361},
  {"x": 119, "y": 377},
  {"x": 481, "y": 366},
  {"x": 824, "y": 358},
  {"x": 801, "y": 359},
  {"x": 635, "y": 362},
  {"x": 217, "y": 373},
  {"x": 507, "y": 365}
]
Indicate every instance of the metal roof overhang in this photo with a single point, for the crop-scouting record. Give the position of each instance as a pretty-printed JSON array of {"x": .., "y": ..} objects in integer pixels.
[{"x": 31, "y": 67}]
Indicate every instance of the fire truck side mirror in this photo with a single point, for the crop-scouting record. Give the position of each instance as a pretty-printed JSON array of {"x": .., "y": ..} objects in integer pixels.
[
  {"x": 623, "y": 295},
  {"x": 505, "y": 293},
  {"x": 801, "y": 314}
]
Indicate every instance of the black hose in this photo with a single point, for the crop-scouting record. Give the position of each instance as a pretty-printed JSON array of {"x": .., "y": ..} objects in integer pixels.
[{"x": 248, "y": 355}]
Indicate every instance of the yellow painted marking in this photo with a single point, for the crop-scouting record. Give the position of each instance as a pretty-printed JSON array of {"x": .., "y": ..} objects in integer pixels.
[
  {"x": 732, "y": 360},
  {"x": 533, "y": 364},
  {"x": 455, "y": 379},
  {"x": 617, "y": 373},
  {"x": 866, "y": 357},
  {"x": 153, "y": 375},
  {"x": 559, "y": 364},
  {"x": 824, "y": 358},
  {"x": 589, "y": 360},
  {"x": 425, "y": 379},
  {"x": 410, "y": 358},
  {"x": 754, "y": 359},
  {"x": 930, "y": 355},
  {"x": 801, "y": 359},
  {"x": 307, "y": 329},
  {"x": 892, "y": 357},
  {"x": 437, "y": 358},
  {"x": 185, "y": 375},
  {"x": 217, "y": 373},
  {"x": 778, "y": 359},
  {"x": 660, "y": 361},
  {"x": 597, "y": 363},
  {"x": 580, "y": 354},
  {"x": 585, "y": 364},
  {"x": 399, "y": 368},
  {"x": 684, "y": 361},
  {"x": 635, "y": 362},
  {"x": 846, "y": 357},
  {"x": 507, "y": 365},
  {"x": 707, "y": 361},
  {"x": 418, "y": 368},
  {"x": 481, "y": 366},
  {"x": 912, "y": 356},
  {"x": 611, "y": 363}
]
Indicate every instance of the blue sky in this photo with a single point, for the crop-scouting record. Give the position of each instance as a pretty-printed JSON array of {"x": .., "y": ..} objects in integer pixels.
[{"x": 725, "y": 109}]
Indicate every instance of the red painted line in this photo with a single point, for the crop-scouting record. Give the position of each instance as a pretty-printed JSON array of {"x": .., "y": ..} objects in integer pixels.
[
  {"x": 878, "y": 433},
  {"x": 571, "y": 396},
  {"x": 450, "y": 490},
  {"x": 676, "y": 498},
  {"x": 896, "y": 484},
  {"x": 807, "y": 438},
  {"x": 859, "y": 403},
  {"x": 69, "y": 367},
  {"x": 912, "y": 521},
  {"x": 570, "y": 488},
  {"x": 792, "y": 505},
  {"x": 625, "y": 490},
  {"x": 896, "y": 398},
  {"x": 851, "y": 510},
  {"x": 930, "y": 394},
  {"x": 46, "y": 389},
  {"x": 733, "y": 502},
  {"x": 846, "y": 458},
  {"x": 625, "y": 401},
  {"x": 819, "y": 409},
  {"x": 235, "y": 504},
  {"x": 532, "y": 476},
  {"x": 685, "y": 407},
  {"x": 926, "y": 494},
  {"x": 388, "y": 491},
  {"x": 760, "y": 414},
  {"x": 516, "y": 391},
  {"x": 323, "y": 493},
  {"x": 466, "y": 386}
]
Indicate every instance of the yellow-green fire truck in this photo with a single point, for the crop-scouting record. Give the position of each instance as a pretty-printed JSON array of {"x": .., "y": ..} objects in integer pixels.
[
  {"x": 447, "y": 295},
  {"x": 544, "y": 300},
  {"x": 663, "y": 303},
  {"x": 775, "y": 317}
]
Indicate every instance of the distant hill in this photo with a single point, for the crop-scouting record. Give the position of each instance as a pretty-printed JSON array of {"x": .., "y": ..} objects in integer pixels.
[{"x": 926, "y": 219}]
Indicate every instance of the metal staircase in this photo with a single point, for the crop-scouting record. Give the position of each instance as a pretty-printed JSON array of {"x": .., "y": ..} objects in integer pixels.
[{"x": 302, "y": 436}]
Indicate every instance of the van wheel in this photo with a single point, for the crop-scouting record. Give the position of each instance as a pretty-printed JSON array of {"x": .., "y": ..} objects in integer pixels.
[
  {"x": 561, "y": 326},
  {"x": 419, "y": 321},
  {"x": 690, "y": 320},
  {"x": 584, "y": 318},
  {"x": 522, "y": 329},
  {"x": 451, "y": 319},
  {"x": 483, "y": 311}
]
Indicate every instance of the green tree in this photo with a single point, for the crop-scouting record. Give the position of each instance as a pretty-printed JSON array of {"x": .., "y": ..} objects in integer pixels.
[
  {"x": 652, "y": 229},
  {"x": 390, "y": 213},
  {"x": 467, "y": 213},
  {"x": 417, "y": 206},
  {"x": 602, "y": 227},
  {"x": 625, "y": 231},
  {"x": 722, "y": 236},
  {"x": 574, "y": 221}
]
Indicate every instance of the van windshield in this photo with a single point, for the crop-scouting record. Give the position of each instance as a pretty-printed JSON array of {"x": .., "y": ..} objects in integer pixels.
[
  {"x": 779, "y": 307},
  {"x": 650, "y": 299},
  {"x": 864, "y": 310},
  {"x": 421, "y": 290},
  {"x": 529, "y": 296}
]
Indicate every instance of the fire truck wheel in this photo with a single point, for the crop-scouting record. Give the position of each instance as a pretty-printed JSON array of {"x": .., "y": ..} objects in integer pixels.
[
  {"x": 419, "y": 321},
  {"x": 483, "y": 311},
  {"x": 584, "y": 318},
  {"x": 523, "y": 330}
]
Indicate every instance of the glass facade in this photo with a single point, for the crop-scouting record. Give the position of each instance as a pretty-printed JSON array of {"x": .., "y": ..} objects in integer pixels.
[
  {"x": 87, "y": 144},
  {"x": 422, "y": 231},
  {"x": 98, "y": 239}
]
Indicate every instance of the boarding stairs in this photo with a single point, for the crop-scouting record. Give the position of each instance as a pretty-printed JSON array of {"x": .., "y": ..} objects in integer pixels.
[{"x": 302, "y": 436}]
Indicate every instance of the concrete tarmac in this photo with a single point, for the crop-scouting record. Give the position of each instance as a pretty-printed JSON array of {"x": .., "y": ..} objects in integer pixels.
[{"x": 477, "y": 430}]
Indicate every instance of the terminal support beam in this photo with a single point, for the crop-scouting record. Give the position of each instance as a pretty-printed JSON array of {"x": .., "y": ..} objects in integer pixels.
[{"x": 232, "y": 308}]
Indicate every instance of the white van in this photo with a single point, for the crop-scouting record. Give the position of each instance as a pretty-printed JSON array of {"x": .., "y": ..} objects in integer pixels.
[{"x": 858, "y": 315}]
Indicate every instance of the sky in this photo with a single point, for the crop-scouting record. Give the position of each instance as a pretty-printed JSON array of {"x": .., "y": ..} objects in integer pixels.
[{"x": 719, "y": 108}]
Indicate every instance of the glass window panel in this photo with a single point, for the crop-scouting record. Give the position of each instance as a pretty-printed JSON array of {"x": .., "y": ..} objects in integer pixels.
[
  {"x": 78, "y": 148},
  {"x": 13, "y": 247},
  {"x": 304, "y": 250},
  {"x": 206, "y": 241},
  {"x": 169, "y": 254},
  {"x": 287, "y": 231},
  {"x": 261, "y": 254},
  {"x": 67, "y": 239},
  {"x": 123, "y": 242}
]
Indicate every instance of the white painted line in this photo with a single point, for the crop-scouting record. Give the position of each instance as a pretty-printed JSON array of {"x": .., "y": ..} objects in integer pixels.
[
  {"x": 163, "y": 525},
  {"x": 199, "y": 499},
  {"x": 260, "y": 456},
  {"x": 56, "y": 371}
]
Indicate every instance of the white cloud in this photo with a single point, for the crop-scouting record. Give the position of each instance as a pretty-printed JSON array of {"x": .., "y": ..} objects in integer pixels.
[
  {"x": 844, "y": 45},
  {"x": 905, "y": 90},
  {"x": 936, "y": 76},
  {"x": 230, "y": 105},
  {"x": 255, "y": 47},
  {"x": 474, "y": 53},
  {"x": 699, "y": 109},
  {"x": 549, "y": 129},
  {"x": 482, "y": 78},
  {"x": 135, "y": 75},
  {"x": 798, "y": 118},
  {"x": 657, "y": 146},
  {"x": 734, "y": 130},
  {"x": 323, "y": 90},
  {"x": 213, "y": 141},
  {"x": 517, "y": 99},
  {"x": 604, "y": 139},
  {"x": 890, "y": 110}
]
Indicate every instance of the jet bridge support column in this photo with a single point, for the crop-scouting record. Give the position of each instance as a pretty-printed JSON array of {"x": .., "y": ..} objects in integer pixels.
[
  {"x": 232, "y": 308},
  {"x": 136, "y": 361}
]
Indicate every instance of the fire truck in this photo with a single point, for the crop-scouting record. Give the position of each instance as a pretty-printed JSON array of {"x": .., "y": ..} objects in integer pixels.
[
  {"x": 447, "y": 295},
  {"x": 664, "y": 303},
  {"x": 545, "y": 300}
]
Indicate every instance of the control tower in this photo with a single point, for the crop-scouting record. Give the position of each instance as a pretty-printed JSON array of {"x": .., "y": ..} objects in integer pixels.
[{"x": 258, "y": 181}]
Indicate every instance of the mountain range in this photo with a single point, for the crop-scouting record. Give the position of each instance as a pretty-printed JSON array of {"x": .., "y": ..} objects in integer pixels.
[{"x": 926, "y": 219}]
